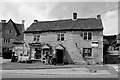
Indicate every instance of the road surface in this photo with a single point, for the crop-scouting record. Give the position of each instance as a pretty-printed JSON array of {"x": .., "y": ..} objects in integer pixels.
[{"x": 57, "y": 73}]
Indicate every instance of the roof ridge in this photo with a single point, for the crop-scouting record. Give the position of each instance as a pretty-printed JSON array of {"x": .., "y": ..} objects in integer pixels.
[
  {"x": 67, "y": 19},
  {"x": 80, "y": 23},
  {"x": 17, "y": 31}
]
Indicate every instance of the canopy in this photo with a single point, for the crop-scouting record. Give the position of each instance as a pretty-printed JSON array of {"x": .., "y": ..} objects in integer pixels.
[
  {"x": 45, "y": 47},
  {"x": 59, "y": 47}
]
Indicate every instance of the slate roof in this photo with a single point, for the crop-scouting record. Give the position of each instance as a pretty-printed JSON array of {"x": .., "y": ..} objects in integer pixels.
[{"x": 67, "y": 24}]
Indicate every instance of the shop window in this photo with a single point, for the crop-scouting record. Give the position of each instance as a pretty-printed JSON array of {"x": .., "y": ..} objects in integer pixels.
[{"x": 87, "y": 52}]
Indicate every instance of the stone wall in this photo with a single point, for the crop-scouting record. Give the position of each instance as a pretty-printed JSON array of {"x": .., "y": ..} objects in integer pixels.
[{"x": 73, "y": 43}]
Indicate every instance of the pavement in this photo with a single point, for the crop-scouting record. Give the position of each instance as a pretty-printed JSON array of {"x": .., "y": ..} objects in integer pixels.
[{"x": 4, "y": 60}]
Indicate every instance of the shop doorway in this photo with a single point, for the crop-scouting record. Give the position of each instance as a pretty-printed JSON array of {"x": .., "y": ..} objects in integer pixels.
[
  {"x": 59, "y": 56},
  {"x": 38, "y": 53}
]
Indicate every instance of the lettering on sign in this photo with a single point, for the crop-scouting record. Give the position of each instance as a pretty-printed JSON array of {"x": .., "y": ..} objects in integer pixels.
[{"x": 94, "y": 44}]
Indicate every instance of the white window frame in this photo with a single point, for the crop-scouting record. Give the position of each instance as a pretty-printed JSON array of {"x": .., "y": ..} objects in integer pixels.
[
  {"x": 87, "y": 35},
  {"x": 59, "y": 38},
  {"x": 87, "y": 53},
  {"x": 36, "y": 38}
]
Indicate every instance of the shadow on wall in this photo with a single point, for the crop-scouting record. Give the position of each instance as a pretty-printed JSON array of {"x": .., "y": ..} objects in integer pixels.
[{"x": 68, "y": 58}]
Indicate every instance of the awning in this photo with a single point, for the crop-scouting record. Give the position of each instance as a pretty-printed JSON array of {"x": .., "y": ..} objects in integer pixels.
[
  {"x": 114, "y": 53},
  {"x": 45, "y": 47},
  {"x": 35, "y": 44},
  {"x": 59, "y": 47}
]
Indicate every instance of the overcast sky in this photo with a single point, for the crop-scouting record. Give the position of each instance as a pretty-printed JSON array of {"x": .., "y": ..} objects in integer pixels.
[{"x": 43, "y": 10}]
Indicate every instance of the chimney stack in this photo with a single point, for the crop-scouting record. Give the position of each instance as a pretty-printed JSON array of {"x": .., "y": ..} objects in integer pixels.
[
  {"x": 3, "y": 21},
  {"x": 23, "y": 21},
  {"x": 23, "y": 28},
  {"x": 74, "y": 16},
  {"x": 35, "y": 21},
  {"x": 99, "y": 16}
]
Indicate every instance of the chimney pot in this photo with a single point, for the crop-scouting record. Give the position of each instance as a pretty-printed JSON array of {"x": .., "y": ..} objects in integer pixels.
[
  {"x": 35, "y": 21},
  {"x": 99, "y": 16},
  {"x": 3, "y": 21},
  {"x": 74, "y": 16}
]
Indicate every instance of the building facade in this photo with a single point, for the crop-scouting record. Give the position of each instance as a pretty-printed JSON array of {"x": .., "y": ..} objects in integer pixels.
[
  {"x": 0, "y": 39},
  {"x": 118, "y": 41},
  {"x": 73, "y": 40},
  {"x": 11, "y": 32}
]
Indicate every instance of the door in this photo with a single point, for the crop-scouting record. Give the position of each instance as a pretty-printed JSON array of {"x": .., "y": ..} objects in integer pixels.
[
  {"x": 38, "y": 53},
  {"x": 59, "y": 56}
]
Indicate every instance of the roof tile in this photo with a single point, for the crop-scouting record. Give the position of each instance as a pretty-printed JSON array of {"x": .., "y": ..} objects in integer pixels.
[{"x": 88, "y": 23}]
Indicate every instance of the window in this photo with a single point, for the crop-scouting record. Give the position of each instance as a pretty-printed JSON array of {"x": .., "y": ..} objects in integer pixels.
[
  {"x": 87, "y": 35},
  {"x": 10, "y": 31},
  {"x": 60, "y": 37},
  {"x": 36, "y": 37},
  {"x": 6, "y": 40},
  {"x": 5, "y": 49},
  {"x": 87, "y": 52}
]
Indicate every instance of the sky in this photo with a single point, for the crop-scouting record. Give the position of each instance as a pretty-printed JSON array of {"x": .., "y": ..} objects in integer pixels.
[{"x": 47, "y": 10}]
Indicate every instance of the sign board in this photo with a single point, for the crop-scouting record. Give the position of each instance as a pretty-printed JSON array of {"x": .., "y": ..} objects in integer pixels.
[
  {"x": 94, "y": 44},
  {"x": 18, "y": 48}
]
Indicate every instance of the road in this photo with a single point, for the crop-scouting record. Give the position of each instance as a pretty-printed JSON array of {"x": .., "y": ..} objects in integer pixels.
[{"x": 57, "y": 73}]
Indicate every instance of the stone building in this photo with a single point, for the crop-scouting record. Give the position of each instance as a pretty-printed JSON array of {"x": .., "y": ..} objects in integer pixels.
[
  {"x": 11, "y": 32},
  {"x": 0, "y": 39},
  {"x": 76, "y": 40}
]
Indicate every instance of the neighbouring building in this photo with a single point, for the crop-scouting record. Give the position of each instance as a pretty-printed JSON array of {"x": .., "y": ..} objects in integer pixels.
[
  {"x": 11, "y": 32},
  {"x": 0, "y": 39},
  {"x": 110, "y": 41},
  {"x": 118, "y": 41},
  {"x": 76, "y": 40}
]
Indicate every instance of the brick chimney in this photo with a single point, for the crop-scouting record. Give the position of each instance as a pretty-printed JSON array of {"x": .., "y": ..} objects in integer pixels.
[
  {"x": 23, "y": 21},
  {"x": 3, "y": 21},
  {"x": 74, "y": 16},
  {"x": 23, "y": 28},
  {"x": 98, "y": 16}
]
